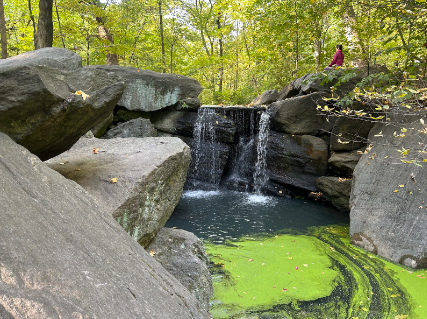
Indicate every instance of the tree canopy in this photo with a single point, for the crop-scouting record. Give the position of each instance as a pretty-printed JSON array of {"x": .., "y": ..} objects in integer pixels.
[{"x": 236, "y": 49}]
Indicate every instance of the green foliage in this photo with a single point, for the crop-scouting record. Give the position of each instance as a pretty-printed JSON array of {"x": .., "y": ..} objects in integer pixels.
[{"x": 236, "y": 49}]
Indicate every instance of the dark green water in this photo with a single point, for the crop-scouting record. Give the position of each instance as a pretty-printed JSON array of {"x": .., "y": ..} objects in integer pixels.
[{"x": 291, "y": 258}]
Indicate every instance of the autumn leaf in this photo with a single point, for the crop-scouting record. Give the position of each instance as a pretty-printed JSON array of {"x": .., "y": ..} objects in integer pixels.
[
  {"x": 401, "y": 317},
  {"x": 113, "y": 180},
  {"x": 343, "y": 142},
  {"x": 284, "y": 289},
  {"x": 83, "y": 94},
  {"x": 152, "y": 253},
  {"x": 95, "y": 150},
  {"x": 250, "y": 259}
]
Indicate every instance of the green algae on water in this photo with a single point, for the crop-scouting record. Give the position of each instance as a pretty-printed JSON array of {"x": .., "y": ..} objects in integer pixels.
[{"x": 314, "y": 275}]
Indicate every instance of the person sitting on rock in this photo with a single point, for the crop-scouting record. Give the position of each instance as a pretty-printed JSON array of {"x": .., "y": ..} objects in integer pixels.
[{"x": 338, "y": 59}]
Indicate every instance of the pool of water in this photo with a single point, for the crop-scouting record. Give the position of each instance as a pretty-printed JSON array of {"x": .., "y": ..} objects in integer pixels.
[
  {"x": 218, "y": 216},
  {"x": 292, "y": 258}
]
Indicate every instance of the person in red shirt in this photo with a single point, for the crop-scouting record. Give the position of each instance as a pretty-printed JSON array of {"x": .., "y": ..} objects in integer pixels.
[{"x": 337, "y": 60}]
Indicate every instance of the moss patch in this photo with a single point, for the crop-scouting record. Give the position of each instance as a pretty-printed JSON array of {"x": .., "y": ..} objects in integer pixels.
[{"x": 315, "y": 275}]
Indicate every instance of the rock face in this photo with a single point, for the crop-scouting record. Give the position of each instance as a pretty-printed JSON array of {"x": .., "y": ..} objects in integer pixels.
[
  {"x": 343, "y": 163},
  {"x": 336, "y": 190},
  {"x": 388, "y": 211},
  {"x": 265, "y": 98},
  {"x": 298, "y": 115},
  {"x": 150, "y": 91},
  {"x": 134, "y": 128},
  {"x": 150, "y": 175},
  {"x": 57, "y": 58},
  {"x": 349, "y": 134},
  {"x": 45, "y": 115},
  {"x": 61, "y": 257},
  {"x": 296, "y": 160},
  {"x": 175, "y": 122},
  {"x": 184, "y": 256}
]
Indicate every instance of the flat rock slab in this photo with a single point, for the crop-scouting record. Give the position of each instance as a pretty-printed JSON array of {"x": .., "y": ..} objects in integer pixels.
[
  {"x": 388, "y": 197},
  {"x": 184, "y": 256},
  {"x": 137, "y": 180},
  {"x": 336, "y": 190},
  {"x": 61, "y": 257},
  {"x": 150, "y": 91}
]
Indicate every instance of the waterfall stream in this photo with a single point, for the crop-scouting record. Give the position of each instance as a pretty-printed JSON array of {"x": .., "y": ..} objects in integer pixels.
[{"x": 260, "y": 174}]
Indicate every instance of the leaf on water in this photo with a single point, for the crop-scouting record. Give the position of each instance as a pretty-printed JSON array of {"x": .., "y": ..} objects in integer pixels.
[
  {"x": 113, "y": 180},
  {"x": 274, "y": 287},
  {"x": 250, "y": 259},
  {"x": 305, "y": 265},
  {"x": 284, "y": 289},
  {"x": 290, "y": 258}
]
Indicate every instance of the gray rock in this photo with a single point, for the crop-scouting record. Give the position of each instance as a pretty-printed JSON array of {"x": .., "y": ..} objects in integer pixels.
[
  {"x": 266, "y": 98},
  {"x": 349, "y": 133},
  {"x": 57, "y": 58},
  {"x": 388, "y": 210},
  {"x": 184, "y": 256},
  {"x": 150, "y": 175},
  {"x": 62, "y": 257},
  {"x": 296, "y": 160},
  {"x": 190, "y": 104},
  {"x": 134, "y": 128},
  {"x": 150, "y": 91},
  {"x": 343, "y": 163},
  {"x": 335, "y": 190},
  {"x": 102, "y": 127},
  {"x": 298, "y": 115},
  {"x": 124, "y": 115},
  {"x": 287, "y": 92},
  {"x": 174, "y": 122},
  {"x": 44, "y": 115}
]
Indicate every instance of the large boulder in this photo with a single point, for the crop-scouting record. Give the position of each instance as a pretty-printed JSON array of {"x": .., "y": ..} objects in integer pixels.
[
  {"x": 296, "y": 160},
  {"x": 184, "y": 256},
  {"x": 48, "y": 114},
  {"x": 298, "y": 115},
  {"x": 335, "y": 190},
  {"x": 388, "y": 209},
  {"x": 266, "y": 98},
  {"x": 57, "y": 58},
  {"x": 150, "y": 91},
  {"x": 62, "y": 257},
  {"x": 138, "y": 181},
  {"x": 134, "y": 128}
]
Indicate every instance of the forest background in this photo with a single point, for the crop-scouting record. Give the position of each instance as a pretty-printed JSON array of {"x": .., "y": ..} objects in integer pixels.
[{"x": 236, "y": 49}]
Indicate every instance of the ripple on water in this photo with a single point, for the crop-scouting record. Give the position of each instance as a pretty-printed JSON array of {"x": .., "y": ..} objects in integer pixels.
[{"x": 256, "y": 199}]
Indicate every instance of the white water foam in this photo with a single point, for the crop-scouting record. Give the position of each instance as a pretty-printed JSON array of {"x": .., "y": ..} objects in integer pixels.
[
  {"x": 257, "y": 199},
  {"x": 200, "y": 194}
]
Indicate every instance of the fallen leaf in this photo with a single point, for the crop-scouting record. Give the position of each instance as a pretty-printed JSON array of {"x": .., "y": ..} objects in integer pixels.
[
  {"x": 274, "y": 287},
  {"x": 113, "y": 180},
  {"x": 396, "y": 191},
  {"x": 152, "y": 253},
  {"x": 290, "y": 258},
  {"x": 401, "y": 185},
  {"x": 63, "y": 163},
  {"x": 284, "y": 289},
  {"x": 250, "y": 259},
  {"x": 95, "y": 150},
  {"x": 305, "y": 265}
]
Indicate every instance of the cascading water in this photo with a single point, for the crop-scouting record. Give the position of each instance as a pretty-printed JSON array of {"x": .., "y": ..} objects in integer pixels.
[
  {"x": 260, "y": 174},
  {"x": 245, "y": 169},
  {"x": 206, "y": 152}
]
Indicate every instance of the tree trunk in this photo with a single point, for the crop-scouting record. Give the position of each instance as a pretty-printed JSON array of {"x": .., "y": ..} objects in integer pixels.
[
  {"x": 59, "y": 24},
  {"x": 44, "y": 34},
  {"x": 162, "y": 37},
  {"x": 221, "y": 54},
  {"x": 103, "y": 33},
  {"x": 3, "y": 32}
]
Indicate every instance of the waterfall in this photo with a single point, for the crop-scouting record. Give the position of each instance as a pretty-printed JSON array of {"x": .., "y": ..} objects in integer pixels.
[
  {"x": 260, "y": 173},
  {"x": 206, "y": 151}
]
